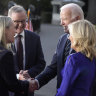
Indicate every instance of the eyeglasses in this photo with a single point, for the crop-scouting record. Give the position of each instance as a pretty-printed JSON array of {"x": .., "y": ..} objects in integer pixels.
[{"x": 17, "y": 21}]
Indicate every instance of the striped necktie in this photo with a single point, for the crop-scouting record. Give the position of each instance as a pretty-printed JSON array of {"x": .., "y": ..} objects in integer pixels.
[{"x": 66, "y": 50}]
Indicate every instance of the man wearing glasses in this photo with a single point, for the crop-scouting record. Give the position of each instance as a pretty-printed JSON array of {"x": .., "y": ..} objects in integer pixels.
[{"x": 27, "y": 46}]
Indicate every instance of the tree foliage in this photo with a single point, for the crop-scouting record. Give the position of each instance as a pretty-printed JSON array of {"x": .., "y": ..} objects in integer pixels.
[{"x": 43, "y": 5}]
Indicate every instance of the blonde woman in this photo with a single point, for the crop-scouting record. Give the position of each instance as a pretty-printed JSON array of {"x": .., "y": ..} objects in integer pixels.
[
  {"x": 8, "y": 79},
  {"x": 79, "y": 71}
]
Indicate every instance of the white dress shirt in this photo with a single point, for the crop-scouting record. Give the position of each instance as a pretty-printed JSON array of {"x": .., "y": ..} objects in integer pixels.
[{"x": 23, "y": 43}]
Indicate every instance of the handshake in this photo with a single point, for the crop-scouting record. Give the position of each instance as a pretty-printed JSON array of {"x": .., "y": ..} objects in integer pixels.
[{"x": 33, "y": 84}]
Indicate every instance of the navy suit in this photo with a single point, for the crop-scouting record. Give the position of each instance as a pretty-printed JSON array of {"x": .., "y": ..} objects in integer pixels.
[
  {"x": 34, "y": 58},
  {"x": 56, "y": 65},
  {"x": 78, "y": 76},
  {"x": 8, "y": 80}
]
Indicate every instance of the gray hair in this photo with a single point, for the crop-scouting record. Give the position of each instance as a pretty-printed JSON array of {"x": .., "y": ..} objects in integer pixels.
[
  {"x": 75, "y": 10},
  {"x": 5, "y": 22},
  {"x": 16, "y": 9}
]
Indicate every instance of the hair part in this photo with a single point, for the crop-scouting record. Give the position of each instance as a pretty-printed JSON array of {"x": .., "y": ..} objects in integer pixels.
[
  {"x": 75, "y": 10},
  {"x": 84, "y": 35}
]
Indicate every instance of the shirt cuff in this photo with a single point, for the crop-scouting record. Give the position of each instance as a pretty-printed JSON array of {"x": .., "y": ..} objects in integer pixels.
[{"x": 17, "y": 75}]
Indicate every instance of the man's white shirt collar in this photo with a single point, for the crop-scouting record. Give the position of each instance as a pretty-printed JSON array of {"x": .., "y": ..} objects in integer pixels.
[{"x": 22, "y": 34}]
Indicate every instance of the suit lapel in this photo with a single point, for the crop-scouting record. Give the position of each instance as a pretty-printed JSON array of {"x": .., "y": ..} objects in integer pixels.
[
  {"x": 64, "y": 40},
  {"x": 26, "y": 47},
  {"x": 61, "y": 53},
  {"x": 13, "y": 47}
]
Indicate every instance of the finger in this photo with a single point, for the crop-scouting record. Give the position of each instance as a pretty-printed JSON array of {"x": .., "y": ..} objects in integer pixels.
[
  {"x": 26, "y": 75},
  {"x": 21, "y": 72},
  {"x": 32, "y": 78},
  {"x": 21, "y": 77},
  {"x": 26, "y": 71}
]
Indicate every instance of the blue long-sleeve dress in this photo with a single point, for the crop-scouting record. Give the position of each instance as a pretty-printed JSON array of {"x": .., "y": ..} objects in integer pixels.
[{"x": 77, "y": 76}]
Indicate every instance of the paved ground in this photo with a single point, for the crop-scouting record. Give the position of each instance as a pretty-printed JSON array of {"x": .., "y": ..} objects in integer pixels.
[{"x": 49, "y": 37}]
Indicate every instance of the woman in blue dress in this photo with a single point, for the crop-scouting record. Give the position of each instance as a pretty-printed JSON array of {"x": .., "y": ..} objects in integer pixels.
[{"x": 79, "y": 71}]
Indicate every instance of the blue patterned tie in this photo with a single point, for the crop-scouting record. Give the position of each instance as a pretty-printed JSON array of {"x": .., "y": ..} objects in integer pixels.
[{"x": 66, "y": 50}]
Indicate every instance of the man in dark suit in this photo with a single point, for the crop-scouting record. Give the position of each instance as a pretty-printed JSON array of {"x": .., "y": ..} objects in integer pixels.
[
  {"x": 27, "y": 45},
  {"x": 68, "y": 13}
]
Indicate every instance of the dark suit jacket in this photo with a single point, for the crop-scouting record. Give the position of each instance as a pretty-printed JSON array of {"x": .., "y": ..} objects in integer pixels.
[
  {"x": 78, "y": 76},
  {"x": 56, "y": 65},
  {"x": 34, "y": 62},
  {"x": 8, "y": 79}
]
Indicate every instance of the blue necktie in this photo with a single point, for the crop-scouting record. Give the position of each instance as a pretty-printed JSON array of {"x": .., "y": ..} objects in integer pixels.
[{"x": 66, "y": 50}]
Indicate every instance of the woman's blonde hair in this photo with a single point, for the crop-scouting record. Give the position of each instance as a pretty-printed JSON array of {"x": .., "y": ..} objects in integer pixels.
[
  {"x": 5, "y": 22},
  {"x": 84, "y": 35}
]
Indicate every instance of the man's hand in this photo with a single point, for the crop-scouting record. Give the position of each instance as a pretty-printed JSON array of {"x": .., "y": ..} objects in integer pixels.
[
  {"x": 23, "y": 75},
  {"x": 33, "y": 85},
  {"x": 26, "y": 74}
]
